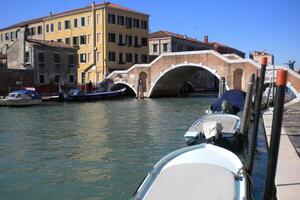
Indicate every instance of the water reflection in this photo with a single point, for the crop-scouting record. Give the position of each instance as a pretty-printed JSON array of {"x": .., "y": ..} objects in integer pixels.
[{"x": 97, "y": 150}]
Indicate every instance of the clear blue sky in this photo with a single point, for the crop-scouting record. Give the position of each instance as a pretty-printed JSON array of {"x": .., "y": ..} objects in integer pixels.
[{"x": 273, "y": 25}]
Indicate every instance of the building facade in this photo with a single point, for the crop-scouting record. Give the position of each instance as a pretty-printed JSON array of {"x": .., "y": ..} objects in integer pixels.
[
  {"x": 258, "y": 55},
  {"x": 166, "y": 41},
  {"x": 52, "y": 63},
  {"x": 108, "y": 37}
]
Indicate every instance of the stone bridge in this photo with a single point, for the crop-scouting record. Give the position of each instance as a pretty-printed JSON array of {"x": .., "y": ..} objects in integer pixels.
[{"x": 165, "y": 75}]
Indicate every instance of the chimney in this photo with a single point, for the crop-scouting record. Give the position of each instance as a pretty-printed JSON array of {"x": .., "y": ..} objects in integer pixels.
[
  {"x": 205, "y": 39},
  {"x": 93, "y": 5},
  {"x": 50, "y": 14},
  {"x": 22, "y": 44}
]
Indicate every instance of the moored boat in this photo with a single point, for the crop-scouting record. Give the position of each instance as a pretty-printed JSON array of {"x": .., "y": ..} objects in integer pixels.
[
  {"x": 216, "y": 128},
  {"x": 3, "y": 101},
  {"x": 197, "y": 172},
  {"x": 77, "y": 95},
  {"x": 23, "y": 98}
]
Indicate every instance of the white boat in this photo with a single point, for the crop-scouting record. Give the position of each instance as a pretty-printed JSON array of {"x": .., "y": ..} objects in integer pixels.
[
  {"x": 23, "y": 98},
  {"x": 199, "y": 172},
  {"x": 216, "y": 128},
  {"x": 2, "y": 101}
]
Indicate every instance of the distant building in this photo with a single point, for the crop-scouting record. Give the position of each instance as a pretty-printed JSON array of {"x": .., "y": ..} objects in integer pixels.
[
  {"x": 166, "y": 41},
  {"x": 52, "y": 63},
  {"x": 223, "y": 49},
  {"x": 108, "y": 36},
  {"x": 257, "y": 56}
]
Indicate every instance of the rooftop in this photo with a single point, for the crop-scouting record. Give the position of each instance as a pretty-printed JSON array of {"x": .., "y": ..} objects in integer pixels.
[
  {"x": 164, "y": 34},
  {"x": 50, "y": 43},
  {"x": 71, "y": 12}
]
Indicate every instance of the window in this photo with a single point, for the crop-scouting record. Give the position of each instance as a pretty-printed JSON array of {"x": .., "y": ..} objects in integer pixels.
[
  {"x": 112, "y": 37},
  {"x": 68, "y": 41},
  {"x": 75, "y": 41},
  {"x": 89, "y": 20},
  {"x": 144, "y": 24},
  {"x": 98, "y": 37},
  {"x": 144, "y": 59},
  {"x": 136, "y": 58},
  {"x": 71, "y": 78},
  {"x": 47, "y": 28},
  {"x": 129, "y": 40},
  {"x": 41, "y": 57},
  {"x": 128, "y": 22},
  {"x": 98, "y": 56},
  {"x": 83, "y": 39},
  {"x": 144, "y": 42},
  {"x": 71, "y": 59},
  {"x": 165, "y": 47},
  {"x": 59, "y": 40},
  {"x": 51, "y": 27},
  {"x": 128, "y": 57},
  {"x": 59, "y": 26},
  {"x": 155, "y": 48},
  {"x": 6, "y": 36},
  {"x": 121, "y": 58},
  {"x": 39, "y": 30},
  {"x": 82, "y": 21},
  {"x": 17, "y": 32},
  {"x": 42, "y": 68},
  {"x": 111, "y": 56},
  {"x": 136, "y": 23},
  {"x": 82, "y": 58},
  {"x": 111, "y": 19},
  {"x": 56, "y": 78},
  {"x": 26, "y": 56},
  {"x": 56, "y": 58},
  {"x": 31, "y": 31},
  {"x": 120, "y": 20},
  {"x": 120, "y": 40},
  {"x": 41, "y": 79},
  {"x": 98, "y": 19},
  {"x": 12, "y": 35},
  {"x": 67, "y": 24},
  {"x": 136, "y": 41}
]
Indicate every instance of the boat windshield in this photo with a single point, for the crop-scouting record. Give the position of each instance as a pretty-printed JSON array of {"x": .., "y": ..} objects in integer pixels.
[{"x": 12, "y": 95}]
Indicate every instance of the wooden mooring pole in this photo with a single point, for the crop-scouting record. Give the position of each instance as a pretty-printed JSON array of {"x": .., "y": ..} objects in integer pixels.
[
  {"x": 247, "y": 107},
  {"x": 269, "y": 192},
  {"x": 257, "y": 114}
]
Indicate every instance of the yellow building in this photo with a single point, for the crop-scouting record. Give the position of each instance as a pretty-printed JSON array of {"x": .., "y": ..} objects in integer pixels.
[{"x": 108, "y": 36}]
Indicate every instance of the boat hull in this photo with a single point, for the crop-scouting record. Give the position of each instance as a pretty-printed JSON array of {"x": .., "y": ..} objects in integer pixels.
[
  {"x": 95, "y": 96},
  {"x": 23, "y": 102}
]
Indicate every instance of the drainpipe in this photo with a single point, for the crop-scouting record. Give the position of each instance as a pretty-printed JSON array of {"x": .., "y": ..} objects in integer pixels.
[{"x": 94, "y": 39}]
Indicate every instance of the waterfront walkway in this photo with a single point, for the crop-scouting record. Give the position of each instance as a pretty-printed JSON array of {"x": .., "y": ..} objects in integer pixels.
[{"x": 288, "y": 168}]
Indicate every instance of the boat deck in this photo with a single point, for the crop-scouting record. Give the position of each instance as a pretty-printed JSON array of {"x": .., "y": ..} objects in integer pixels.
[{"x": 288, "y": 168}]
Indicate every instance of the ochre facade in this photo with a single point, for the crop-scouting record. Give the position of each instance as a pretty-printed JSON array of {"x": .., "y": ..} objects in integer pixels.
[{"x": 101, "y": 32}]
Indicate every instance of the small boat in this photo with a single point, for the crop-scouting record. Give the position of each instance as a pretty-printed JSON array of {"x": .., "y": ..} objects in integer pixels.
[
  {"x": 197, "y": 172},
  {"x": 3, "y": 101},
  {"x": 77, "y": 95},
  {"x": 23, "y": 98},
  {"x": 216, "y": 128}
]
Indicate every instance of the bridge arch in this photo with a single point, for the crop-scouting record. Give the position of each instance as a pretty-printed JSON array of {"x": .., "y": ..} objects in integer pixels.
[
  {"x": 198, "y": 66},
  {"x": 119, "y": 84}
]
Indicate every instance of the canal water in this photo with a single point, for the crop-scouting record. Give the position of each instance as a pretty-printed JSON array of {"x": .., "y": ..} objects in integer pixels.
[{"x": 100, "y": 150}]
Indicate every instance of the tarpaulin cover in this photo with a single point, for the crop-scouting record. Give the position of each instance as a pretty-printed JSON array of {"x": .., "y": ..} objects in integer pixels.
[{"x": 235, "y": 97}]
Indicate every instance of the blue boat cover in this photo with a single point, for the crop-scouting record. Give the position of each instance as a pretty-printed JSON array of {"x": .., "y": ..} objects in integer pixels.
[
  {"x": 235, "y": 97},
  {"x": 31, "y": 93}
]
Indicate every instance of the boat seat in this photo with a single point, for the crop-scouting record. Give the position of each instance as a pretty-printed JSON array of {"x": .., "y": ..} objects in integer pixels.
[{"x": 193, "y": 181}]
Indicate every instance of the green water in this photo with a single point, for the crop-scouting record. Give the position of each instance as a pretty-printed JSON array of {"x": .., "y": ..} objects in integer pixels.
[{"x": 100, "y": 150}]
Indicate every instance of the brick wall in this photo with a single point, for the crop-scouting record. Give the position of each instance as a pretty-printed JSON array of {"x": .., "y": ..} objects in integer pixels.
[{"x": 10, "y": 77}]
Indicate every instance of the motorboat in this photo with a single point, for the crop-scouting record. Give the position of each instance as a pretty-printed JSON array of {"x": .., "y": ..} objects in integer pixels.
[
  {"x": 3, "y": 101},
  {"x": 216, "y": 128},
  {"x": 202, "y": 171},
  {"x": 23, "y": 98},
  {"x": 76, "y": 95}
]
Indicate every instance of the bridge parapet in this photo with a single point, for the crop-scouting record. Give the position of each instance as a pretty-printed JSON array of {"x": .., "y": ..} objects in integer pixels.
[{"x": 167, "y": 72}]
